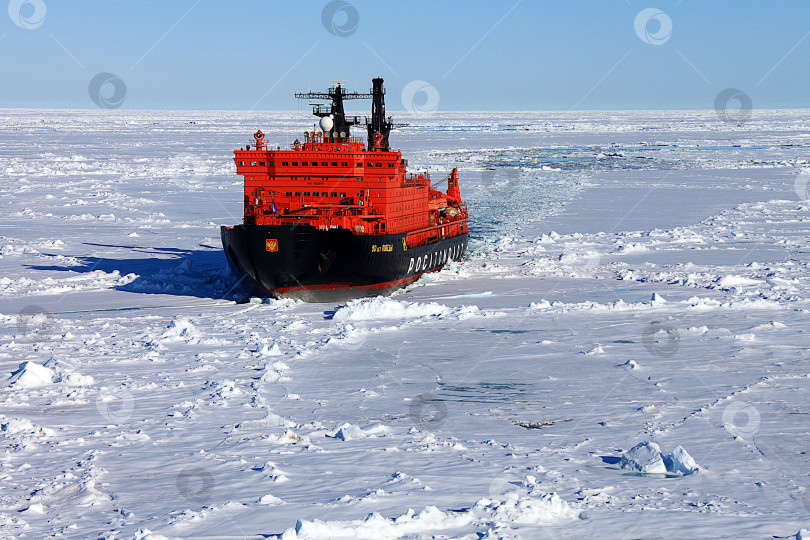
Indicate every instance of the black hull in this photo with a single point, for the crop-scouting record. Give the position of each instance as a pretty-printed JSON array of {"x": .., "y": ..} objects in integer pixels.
[{"x": 329, "y": 265}]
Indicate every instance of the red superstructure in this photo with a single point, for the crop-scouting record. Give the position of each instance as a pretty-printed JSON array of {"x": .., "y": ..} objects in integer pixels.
[
  {"x": 356, "y": 192},
  {"x": 335, "y": 182}
]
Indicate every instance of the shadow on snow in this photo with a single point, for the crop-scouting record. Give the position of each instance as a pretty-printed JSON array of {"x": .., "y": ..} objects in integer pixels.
[{"x": 200, "y": 273}]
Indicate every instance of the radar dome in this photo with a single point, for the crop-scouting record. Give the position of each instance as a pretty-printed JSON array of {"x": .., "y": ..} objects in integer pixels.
[{"x": 326, "y": 123}]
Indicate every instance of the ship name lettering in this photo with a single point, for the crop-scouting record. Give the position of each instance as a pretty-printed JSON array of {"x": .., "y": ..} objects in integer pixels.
[{"x": 429, "y": 260}]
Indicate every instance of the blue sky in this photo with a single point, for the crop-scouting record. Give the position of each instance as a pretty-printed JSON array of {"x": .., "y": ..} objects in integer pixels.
[{"x": 471, "y": 55}]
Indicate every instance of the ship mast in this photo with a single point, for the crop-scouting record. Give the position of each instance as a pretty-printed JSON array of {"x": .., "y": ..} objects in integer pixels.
[{"x": 341, "y": 125}]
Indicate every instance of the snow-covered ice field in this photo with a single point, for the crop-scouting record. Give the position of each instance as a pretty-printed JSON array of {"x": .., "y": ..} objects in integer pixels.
[{"x": 623, "y": 353}]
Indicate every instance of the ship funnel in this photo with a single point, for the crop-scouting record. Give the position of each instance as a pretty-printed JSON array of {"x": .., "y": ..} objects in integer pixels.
[{"x": 378, "y": 123}]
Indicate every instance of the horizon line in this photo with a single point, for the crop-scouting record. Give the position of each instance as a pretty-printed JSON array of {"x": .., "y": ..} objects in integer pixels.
[{"x": 407, "y": 112}]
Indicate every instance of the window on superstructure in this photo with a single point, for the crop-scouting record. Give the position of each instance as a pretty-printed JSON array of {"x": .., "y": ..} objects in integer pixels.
[
  {"x": 270, "y": 163},
  {"x": 261, "y": 163},
  {"x": 342, "y": 195},
  {"x": 334, "y": 194},
  {"x": 285, "y": 163},
  {"x": 306, "y": 194},
  {"x": 241, "y": 163},
  {"x": 324, "y": 164},
  {"x": 295, "y": 164},
  {"x": 390, "y": 164},
  {"x": 378, "y": 164},
  {"x": 253, "y": 163},
  {"x": 359, "y": 163},
  {"x": 297, "y": 193},
  {"x": 334, "y": 164},
  {"x": 304, "y": 163},
  {"x": 289, "y": 194},
  {"x": 323, "y": 178},
  {"x": 344, "y": 164}
]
